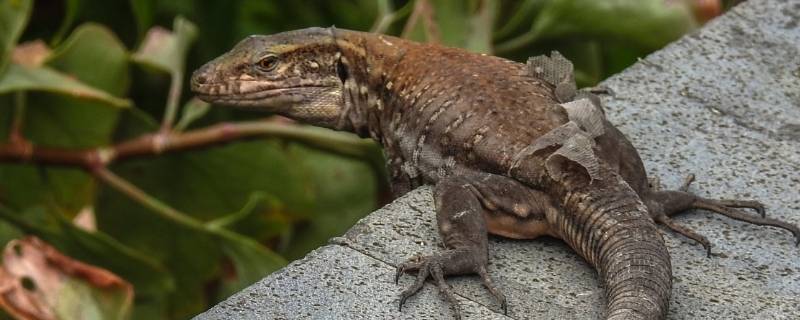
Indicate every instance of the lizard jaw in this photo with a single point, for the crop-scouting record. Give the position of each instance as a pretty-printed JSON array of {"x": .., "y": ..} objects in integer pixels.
[{"x": 233, "y": 95}]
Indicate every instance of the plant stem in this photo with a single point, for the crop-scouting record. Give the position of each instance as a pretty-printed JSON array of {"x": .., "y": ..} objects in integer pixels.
[
  {"x": 173, "y": 98},
  {"x": 522, "y": 14},
  {"x": 387, "y": 16},
  {"x": 20, "y": 103},
  {"x": 516, "y": 42},
  {"x": 146, "y": 200},
  {"x": 155, "y": 144}
]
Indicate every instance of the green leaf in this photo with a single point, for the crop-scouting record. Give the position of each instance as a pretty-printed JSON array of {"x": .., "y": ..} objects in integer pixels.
[
  {"x": 205, "y": 184},
  {"x": 166, "y": 50},
  {"x": 78, "y": 299},
  {"x": 174, "y": 246},
  {"x": 93, "y": 57},
  {"x": 208, "y": 183},
  {"x": 14, "y": 15},
  {"x": 647, "y": 23},
  {"x": 20, "y": 78},
  {"x": 193, "y": 110},
  {"x": 344, "y": 191},
  {"x": 89, "y": 46},
  {"x": 251, "y": 260}
]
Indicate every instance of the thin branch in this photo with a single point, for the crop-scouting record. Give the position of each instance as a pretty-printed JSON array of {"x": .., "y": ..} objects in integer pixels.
[
  {"x": 222, "y": 133},
  {"x": 423, "y": 11},
  {"x": 20, "y": 102},
  {"x": 155, "y": 144}
]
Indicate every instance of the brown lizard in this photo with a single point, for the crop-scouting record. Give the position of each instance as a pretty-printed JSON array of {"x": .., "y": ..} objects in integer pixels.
[{"x": 511, "y": 150}]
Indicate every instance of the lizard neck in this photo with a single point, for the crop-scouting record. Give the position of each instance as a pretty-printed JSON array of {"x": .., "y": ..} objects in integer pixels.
[{"x": 368, "y": 68}]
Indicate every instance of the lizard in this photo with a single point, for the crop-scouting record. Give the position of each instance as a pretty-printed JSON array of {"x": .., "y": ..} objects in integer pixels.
[{"x": 511, "y": 149}]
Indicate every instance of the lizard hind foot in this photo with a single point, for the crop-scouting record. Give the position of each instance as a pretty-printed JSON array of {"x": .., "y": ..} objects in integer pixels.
[
  {"x": 743, "y": 204},
  {"x": 729, "y": 209},
  {"x": 665, "y": 204}
]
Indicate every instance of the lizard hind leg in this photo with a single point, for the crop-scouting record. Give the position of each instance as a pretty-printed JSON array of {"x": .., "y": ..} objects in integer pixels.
[
  {"x": 664, "y": 204},
  {"x": 462, "y": 226}
]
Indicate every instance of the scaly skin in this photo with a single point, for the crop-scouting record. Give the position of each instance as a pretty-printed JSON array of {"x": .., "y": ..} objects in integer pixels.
[{"x": 462, "y": 122}]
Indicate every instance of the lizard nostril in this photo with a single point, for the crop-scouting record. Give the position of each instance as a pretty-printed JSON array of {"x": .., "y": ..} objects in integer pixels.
[
  {"x": 200, "y": 79},
  {"x": 201, "y": 76}
]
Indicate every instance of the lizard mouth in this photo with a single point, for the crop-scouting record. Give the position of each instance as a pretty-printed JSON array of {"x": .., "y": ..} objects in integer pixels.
[{"x": 233, "y": 93}]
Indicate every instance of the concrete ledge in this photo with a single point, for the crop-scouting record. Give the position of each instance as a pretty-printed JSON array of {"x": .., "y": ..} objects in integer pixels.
[{"x": 723, "y": 103}]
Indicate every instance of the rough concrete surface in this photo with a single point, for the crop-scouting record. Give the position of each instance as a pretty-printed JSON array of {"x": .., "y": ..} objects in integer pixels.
[{"x": 723, "y": 103}]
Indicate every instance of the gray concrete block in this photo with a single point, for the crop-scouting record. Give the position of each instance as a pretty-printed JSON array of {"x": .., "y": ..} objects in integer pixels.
[
  {"x": 335, "y": 282},
  {"x": 723, "y": 103}
]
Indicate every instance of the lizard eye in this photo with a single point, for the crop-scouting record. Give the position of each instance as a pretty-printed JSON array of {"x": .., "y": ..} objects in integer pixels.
[{"x": 268, "y": 63}]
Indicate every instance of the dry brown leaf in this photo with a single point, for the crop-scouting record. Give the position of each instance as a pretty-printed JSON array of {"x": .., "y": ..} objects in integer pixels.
[{"x": 33, "y": 273}]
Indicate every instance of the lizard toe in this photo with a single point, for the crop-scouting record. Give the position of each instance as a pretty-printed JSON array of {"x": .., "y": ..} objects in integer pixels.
[{"x": 451, "y": 262}]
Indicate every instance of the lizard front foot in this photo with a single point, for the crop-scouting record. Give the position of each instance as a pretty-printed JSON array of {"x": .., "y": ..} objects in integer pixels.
[
  {"x": 456, "y": 261},
  {"x": 461, "y": 223}
]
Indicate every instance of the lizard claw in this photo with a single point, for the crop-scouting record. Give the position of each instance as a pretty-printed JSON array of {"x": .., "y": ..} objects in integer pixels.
[
  {"x": 427, "y": 267},
  {"x": 440, "y": 265},
  {"x": 413, "y": 289},
  {"x": 489, "y": 284},
  {"x": 686, "y": 232},
  {"x": 412, "y": 264}
]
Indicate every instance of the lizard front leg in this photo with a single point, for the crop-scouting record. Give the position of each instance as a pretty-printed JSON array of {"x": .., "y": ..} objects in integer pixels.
[
  {"x": 460, "y": 218},
  {"x": 468, "y": 207}
]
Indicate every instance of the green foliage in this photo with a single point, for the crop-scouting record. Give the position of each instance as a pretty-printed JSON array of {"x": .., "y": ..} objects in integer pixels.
[
  {"x": 188, "y": 228},
  {"x": 600, "y": 37},
  {"x": 13, "y": 17}
]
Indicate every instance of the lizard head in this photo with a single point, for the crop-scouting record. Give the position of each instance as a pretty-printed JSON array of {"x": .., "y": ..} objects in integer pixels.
[{"x": 297, "y": 74}]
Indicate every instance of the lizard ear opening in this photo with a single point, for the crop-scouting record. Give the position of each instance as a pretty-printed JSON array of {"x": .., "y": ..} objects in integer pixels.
[{"x": 341, "y": 70}]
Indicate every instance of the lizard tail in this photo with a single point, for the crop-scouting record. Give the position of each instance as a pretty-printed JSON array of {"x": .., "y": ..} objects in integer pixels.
[{"x": 609, "y": 226}]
